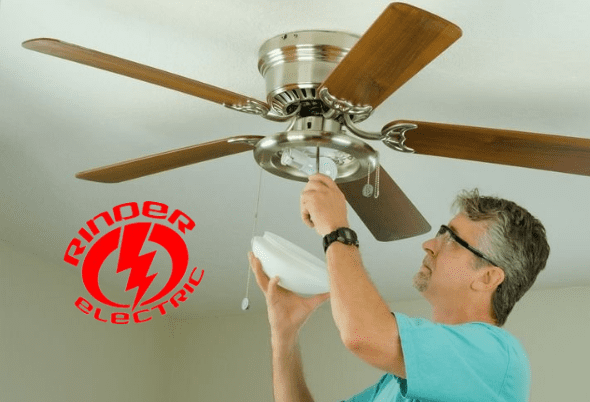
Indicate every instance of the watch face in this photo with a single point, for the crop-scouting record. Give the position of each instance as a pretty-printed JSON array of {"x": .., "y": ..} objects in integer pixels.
[
  {"x": 346, "y": 235},
  {"x": 343, "y": 235}
]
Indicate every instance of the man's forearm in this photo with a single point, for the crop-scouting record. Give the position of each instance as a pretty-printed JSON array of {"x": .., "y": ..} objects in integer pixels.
[
  {"x": 366, "y": 325},
  {"x": 287, "y": 371},
  {"x": 356, "y": 303}
]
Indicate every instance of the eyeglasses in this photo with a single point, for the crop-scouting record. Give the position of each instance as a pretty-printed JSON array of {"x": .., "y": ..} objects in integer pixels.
[{"x": 445, "y": 229}]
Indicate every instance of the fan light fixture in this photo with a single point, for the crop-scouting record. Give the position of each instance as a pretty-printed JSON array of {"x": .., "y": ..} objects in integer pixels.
[
  {"x": 297, "y": 269},
  {"x": 292, "y": 154}
]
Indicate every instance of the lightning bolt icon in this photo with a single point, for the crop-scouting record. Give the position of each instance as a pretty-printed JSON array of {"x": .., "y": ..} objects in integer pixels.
[{"x": 134, "y": 237}]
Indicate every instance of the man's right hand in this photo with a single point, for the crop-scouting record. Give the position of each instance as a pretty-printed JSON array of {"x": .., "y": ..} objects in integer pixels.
[{"x": 287, "y": 311}]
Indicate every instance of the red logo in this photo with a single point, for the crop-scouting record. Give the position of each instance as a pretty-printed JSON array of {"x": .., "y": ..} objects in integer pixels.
[{"x": 124, "y": 244}]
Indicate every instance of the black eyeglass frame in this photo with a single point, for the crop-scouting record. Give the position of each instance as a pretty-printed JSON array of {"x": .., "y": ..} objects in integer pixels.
[{"x": 444, "y": 229}]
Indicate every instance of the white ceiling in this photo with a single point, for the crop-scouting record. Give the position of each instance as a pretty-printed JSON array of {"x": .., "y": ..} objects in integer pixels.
[{"x": 521, "y": 64}]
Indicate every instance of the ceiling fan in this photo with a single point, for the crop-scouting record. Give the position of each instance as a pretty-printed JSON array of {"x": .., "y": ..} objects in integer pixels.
[{"x": 323, "y": 83}]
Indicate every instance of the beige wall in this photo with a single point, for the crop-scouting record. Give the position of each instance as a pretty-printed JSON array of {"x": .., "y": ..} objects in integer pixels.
[
  {"x": 51, "y": 353},
  {"x": 227, "y": 359}
]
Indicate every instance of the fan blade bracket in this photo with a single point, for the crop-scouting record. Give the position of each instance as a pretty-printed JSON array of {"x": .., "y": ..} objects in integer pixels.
[
  {"x": 349, "y": 123},
  {"x": 343, "y": 106},
  {"x": 394, "y": 136},
  {"x": 251, "y": 106},
  {"x": 350, "y": 113},
  {"x": 248, "y": 140}
]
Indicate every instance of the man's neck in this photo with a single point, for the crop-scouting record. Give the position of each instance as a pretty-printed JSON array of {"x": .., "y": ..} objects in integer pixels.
[{"x": 462, "y": 314}]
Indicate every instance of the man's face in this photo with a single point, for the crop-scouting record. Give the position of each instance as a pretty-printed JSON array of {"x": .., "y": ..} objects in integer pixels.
[{"x": 447, "y": 269}]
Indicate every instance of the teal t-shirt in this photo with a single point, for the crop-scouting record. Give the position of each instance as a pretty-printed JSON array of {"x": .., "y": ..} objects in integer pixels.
[{"x": 453, "y": 363}]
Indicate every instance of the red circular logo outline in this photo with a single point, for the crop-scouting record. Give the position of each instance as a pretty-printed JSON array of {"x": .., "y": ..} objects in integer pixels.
[{"x": 129, "y": 239}]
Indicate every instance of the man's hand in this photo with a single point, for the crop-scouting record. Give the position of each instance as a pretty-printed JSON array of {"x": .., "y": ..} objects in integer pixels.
[
  {"x": 323, "y": 206},
  {"x": 287, "y": 311}
]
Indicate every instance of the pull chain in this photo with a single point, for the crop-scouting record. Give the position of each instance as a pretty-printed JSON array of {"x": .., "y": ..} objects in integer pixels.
[
  {"x": 377, "y": 169},
  {"x": 368, "y": 189},
  {"x": 246, "y": 300}
]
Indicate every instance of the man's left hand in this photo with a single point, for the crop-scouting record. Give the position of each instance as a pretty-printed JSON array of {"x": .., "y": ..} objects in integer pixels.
[{"x": 323, "y": 206}]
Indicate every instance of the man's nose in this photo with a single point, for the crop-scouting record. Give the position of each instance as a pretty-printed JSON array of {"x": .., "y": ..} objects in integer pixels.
[{"x": 430, "y": 246}]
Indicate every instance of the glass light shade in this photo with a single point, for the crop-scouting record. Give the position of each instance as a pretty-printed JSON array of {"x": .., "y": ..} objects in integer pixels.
[{"x": 298, "y": 270}]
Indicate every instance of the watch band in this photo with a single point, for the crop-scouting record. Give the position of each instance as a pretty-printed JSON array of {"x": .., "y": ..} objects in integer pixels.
[{"x": 343, "y": 235}]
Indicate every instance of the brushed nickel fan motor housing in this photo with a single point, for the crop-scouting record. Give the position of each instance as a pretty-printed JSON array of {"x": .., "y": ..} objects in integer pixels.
[{"x": 295, "y": 64}]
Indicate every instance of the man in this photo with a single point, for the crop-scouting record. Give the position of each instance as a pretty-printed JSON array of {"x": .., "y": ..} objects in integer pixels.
[{"x": 473, "y": 272}]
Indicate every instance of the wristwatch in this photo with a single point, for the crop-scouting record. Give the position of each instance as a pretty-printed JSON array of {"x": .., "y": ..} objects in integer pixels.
[{"x": 343, "y": 235}]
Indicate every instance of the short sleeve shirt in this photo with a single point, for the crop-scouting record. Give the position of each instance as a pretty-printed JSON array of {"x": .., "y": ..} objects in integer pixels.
[{"x": 467, "y": 362}]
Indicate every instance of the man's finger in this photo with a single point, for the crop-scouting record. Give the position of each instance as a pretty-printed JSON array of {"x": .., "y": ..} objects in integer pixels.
[
  {"x": 261, "y": 277},
  {"x": 315, "y": 185},
  {"x": 273, "y": 287},
  {"x": 274, "y": 283},
  {"x": 323, "y": 179},
  {"x": 306, "y": 217}
]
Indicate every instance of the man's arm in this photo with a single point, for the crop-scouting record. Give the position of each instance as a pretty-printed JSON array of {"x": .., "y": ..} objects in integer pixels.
[
  {"x": 366, "y": 326},
  {"x": 287, "y": 372},
  {"x": 287, "y": 312}
]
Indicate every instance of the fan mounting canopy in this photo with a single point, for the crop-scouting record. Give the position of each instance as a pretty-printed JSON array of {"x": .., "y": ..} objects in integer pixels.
[{"x": 294, "y": 64}]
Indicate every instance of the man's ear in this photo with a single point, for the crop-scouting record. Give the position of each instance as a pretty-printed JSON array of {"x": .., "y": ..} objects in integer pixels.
[{"x": 488, "y": 279}]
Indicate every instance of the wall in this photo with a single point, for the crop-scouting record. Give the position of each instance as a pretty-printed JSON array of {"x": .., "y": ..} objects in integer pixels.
[
  {"x": 52, "y": 353},
  {"x": 228, "y": 359},
  {"x": 554, "y": 326}
]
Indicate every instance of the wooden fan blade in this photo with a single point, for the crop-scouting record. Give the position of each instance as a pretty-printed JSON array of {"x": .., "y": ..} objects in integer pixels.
[
  {"x": 516, "y": 148},
  {"x": 402, "y": 41},
  {"x": 156, "y": 163},
  {"x": 391, "y": 216},
  {"x": 138, "y": 71}
]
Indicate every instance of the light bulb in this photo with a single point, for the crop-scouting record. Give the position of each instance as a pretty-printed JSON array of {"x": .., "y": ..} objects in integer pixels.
[{"x": 307, "y": 165}]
